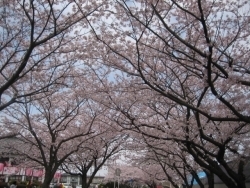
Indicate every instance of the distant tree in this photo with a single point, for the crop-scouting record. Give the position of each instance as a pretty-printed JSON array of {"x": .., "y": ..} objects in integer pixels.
[
  {"x": 176, "y": 163},
  {"x": 133, "y": 174},
  {"x": 152, "y": 162},
  {"x": 93, "y": 155}
]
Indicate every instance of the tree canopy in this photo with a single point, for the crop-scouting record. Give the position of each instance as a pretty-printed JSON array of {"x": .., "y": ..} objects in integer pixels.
[{"x": 172, "y": 75}]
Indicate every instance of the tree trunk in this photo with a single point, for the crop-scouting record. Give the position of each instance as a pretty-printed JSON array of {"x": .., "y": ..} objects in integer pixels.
[
  {"x": 47, "y": 180},
  {"x": 210, "y": 179},
  {"x": 84, "y": 180}
]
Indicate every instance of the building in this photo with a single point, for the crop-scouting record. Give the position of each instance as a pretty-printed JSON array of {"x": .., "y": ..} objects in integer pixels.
[{"x": 10, "y": 171}]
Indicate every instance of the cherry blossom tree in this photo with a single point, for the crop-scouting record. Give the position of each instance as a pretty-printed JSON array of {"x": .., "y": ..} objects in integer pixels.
[
  {"x": 134, "y": 171},
  {"x": 93, "y": 155},
  {"x": 54, "y": 127},
  {"x": 177, "y": 164},
  {"x": 134, "y": 174},
  {"x": 159, "y": 163},
  {"x": 187, "y": 64},
  {"x": 39, "y": 40},
  {"x": 128, "y": 172},
  {"x": 181, "y": 75}
]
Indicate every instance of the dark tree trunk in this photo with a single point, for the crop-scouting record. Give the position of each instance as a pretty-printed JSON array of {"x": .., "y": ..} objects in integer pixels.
[
  {"x": 210, "y": 179},
  {"x": 84, "y": 180},
  {"x": 47, "y": 179}
]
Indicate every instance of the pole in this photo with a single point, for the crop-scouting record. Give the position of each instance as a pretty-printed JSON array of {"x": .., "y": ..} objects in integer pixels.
[{"x": 114, "y": 181}]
